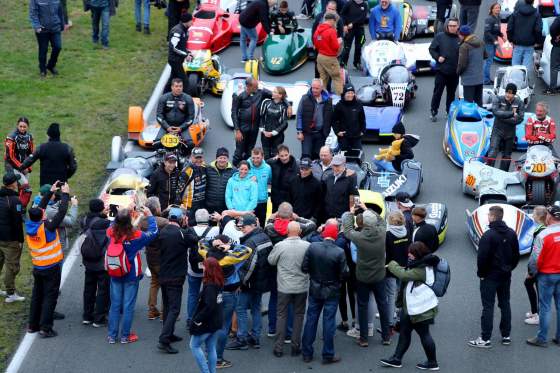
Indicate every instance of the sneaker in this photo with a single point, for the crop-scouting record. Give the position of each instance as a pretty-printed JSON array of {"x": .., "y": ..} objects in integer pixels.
[
  {"x": 532, "y": 320},
  {"x": 391, "y": 362},
  {"x": 111, "y": 340},
  {"x": 50, "y": 333},
  {"x": 354, "y": 333},
  {"x": 147, "y": 30},
  {"x": 358, "y": 66},
  {"x": 221, "y": 364},
  {"x": 433, "y": 116},
  {"x": 237, "y": 345},
  {"x": 386, "y": 342},
  {"x": 480, "y": 343},
  {"x": 343, "y": 327},
  {"x": 14, "y": 298},
  {"x": 271, "y": 334},
  {"x": 362, "y": 342},
  {"x": 253, "y": 342},
  {"x": 132, "y": 337},
  {"x": 556, "y": 341},
  {"x": 53, "y": 70},
  {"x": 167, "y": 348},
  {"x": 288, "y": 340},
  {"x": 175, "y": 338},
  {"x": 427, "y": 365},
  {"x": 87, "y": 322},
  {"x": 506, "y": 341},
  {"x": 307, "y": 359},
  {"x": 153, "y": 314},
  {"x": 377, "y": 315},
  {"x": 43, "y": 74},
  {"x": 100, "y": 324},
  {"x": 536, "y": 342},
  {"x": 296, "y": 351},
  {"x": 243, "y": 60},
  {"x": 332, "y": 360}
]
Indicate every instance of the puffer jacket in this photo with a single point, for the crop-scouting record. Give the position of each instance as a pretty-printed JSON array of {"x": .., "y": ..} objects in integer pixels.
[
  {"x": 165, "y": 186},
  {"x": 524, "y": 26},
  {"x": 306, "y": 114},
  {"x": 245, "y": 109},
  {"x": 216, "y": 183},
  {"x": 409, "y": 142},
  {"x": 241, "y": 194},
  {"x": 47, "y": 15},
  {"x": 445, "y": 45},
  {"x": 349, "y": 116},
  {"x": 257, "y": 274},
  {"x": 504, "y": 120},
  {"x": 326, "y": 264},
  {"x": 471, "y": 59},
  {"x": 282, "y": 177}
]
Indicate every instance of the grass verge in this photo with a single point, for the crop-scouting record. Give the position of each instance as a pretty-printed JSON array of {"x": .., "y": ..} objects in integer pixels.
[{"x": 89, "y": 98}]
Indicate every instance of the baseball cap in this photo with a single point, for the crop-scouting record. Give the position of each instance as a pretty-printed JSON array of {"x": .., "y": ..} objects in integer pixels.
[
  {"x": 338, "y": 160},
  {"x": 11, "y": 178},
  {"x": 305, "y": 163},
  {"x": 404, "y": 199},
  {"x": 197, "y": 152},
  {"x": 247, "y": 219},
  {"x": 170, "y": 157},
  {"x": 45, "y": 189},
  {"x": 554, "y": 211}
]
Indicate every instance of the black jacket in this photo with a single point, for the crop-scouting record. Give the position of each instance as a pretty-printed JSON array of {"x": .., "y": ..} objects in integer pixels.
[
  {"x": 216, "y": 182},
  {"x": 165, "y": 187},
  {"x": 257, "y": 274},
  {"x": 178, "y": 36},
  {"x": 406, "y": 151},
  {"x": 245, "y": 109},
  {"x": 524, "y": 26},
  {"x": 319, "y": 19},
  {"x": 175, "y": 111},
  {"x": 306, "y": 225},
  {"x": 98, "y": 224},
  {"x": 470, "y": 2},
  {"x": 11, "y": 218},
  {"x": 396, "y": 248},
  {"x": 337, "y": 194},
  {"x": 174, "y": 244},
  {"x": 257, "y": 11},
  {"x": 326, "y": 264},
  {"x": 427, "y": 234},
  {"x": 282, "y": 177},
  {"x": 57, "y": 161},
  {"x": 356, "y": 14},
  {"x": 209, "y": 314},
  {"x": 492, "y": 29},
  {"x": 445, "y": 45},
  {"x": 306, "y": 196},
  {"x": 274, "y": 116},
  {"x": 554, "y": 31},
  {"x": 288, "y": 21},
  {"x": 349, "y": 116},
  {"x": 504, "y": 120},
  {"x": 307, "y": 107},
  {"x": 498, "y": 252},
  {"x": 54, "y": 223}
]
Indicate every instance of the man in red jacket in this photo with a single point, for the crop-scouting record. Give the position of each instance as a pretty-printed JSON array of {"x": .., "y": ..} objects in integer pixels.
[
  {"x": 541, "y": 129},
  {"x": 328, "y": 46}
]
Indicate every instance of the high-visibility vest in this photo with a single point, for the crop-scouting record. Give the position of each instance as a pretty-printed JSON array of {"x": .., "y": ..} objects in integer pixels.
[{"x": 44, "y": 253}]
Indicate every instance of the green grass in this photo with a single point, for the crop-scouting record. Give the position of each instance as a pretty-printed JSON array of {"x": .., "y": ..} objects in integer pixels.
[{"x": 89, "y": 98}]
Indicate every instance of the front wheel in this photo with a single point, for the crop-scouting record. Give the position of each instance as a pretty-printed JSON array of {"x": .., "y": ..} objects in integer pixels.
[
  {"x": 538, "y": 192},
  {"x": 194, "y": 86}
]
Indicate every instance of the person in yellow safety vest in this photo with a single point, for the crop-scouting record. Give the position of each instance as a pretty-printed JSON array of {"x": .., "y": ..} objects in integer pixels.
[{"x": 46, "y": 254}]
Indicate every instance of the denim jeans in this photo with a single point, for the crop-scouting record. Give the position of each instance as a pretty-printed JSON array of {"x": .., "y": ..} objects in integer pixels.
[
  {"x": 230, "y": 302},
  {"x": 523, "y": 56},
  {"x": 100, "y": 15},
  {"x": 273, "y": 314},
  {"x": 363, "y": 293},
  {"x": 383, "y": 165},
  {"x": 123, "y": 297},
  {"x": 489, "y": 289},
  {"x": 549, "y": 286},
  {"x": 248, "y": 300},
  {"x": 192, "y": 295},
  {"x": 209, "y": 339},
  {"x": 247, "y": 53},
  {"x": 391, "y": 289},
  {"x": 314, "y": 307},
  {"x": 138, "y": 11},
  {"x": 491, "y": 52},
  {"x": 43, "y": 40}
]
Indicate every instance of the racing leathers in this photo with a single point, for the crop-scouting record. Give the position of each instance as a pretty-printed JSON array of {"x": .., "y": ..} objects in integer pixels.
[
  {"x": 274, "y": 119},
  {"x": 286, "y": 20},
  {"x": 245, "y": 115},
  {"x": 175, "y": 111},
  {"x": 508, "y": 114},
  {"x": 18, "y": 147},
  {"x": 354, "y": 15},
  {"x": 165, "y": 186},
  {"x": 192, "y": 182},
  {"x": 541, "y": 132},
  {"x": 385, "y": 23},
  {"x": 178, "y": 52}
]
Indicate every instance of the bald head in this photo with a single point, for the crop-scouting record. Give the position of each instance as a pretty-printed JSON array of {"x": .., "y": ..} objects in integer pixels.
[{"x": 294, "y": 229}]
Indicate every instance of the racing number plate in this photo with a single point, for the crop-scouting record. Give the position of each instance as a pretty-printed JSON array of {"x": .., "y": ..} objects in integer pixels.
[
  {"x": 169, "y": 140},
  {"x": 538, "y": 168},
  {"x": 276, "y": 60},
  {"x": 470, "y": 180}
]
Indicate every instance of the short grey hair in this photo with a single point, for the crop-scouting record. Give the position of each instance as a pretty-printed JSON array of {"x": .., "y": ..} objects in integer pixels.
[
  {"x": 285, "y": 210},
  {"x": 539, "y": 214},
  {"x": 317, "y": 80},
  {"x": 154, "y": 205},
  {"x": 201, "y": 216},
  {"x": 544, "y": 105}
]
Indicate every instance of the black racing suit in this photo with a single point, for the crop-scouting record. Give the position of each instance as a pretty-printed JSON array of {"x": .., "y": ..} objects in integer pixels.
[
  {"x": 175, "y": 111},
  {"x": 507, "y": 116},
  {"x": 177, "y": 52},
  {"x": 274, "y": 118},
  {"x": 357, "y": 15},
  {"x": 286, "y": 20}
]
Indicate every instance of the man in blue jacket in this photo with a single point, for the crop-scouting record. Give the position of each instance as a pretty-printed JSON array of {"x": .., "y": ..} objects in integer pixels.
[
  {"x": 263, "y": 173},
  {"x": 385, "y": 21},
  {"x": 48, "y": 21}
]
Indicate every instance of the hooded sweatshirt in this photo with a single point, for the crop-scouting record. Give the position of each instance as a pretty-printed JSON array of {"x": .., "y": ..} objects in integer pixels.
[
  {"x": 326, "y": 41},
  {"x": 524, "y": 25},
  {"x": 385, "y": 21},
  {"x": 396, "y": 245},
  {"x": 241, "y": 193},
  {"x": 349, "y": 116},
  {"x": 471, "y": 59}
]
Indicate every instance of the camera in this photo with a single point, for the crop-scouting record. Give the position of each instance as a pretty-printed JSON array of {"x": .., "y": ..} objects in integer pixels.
[
  {"x": 159, "y": 4},
  {"x": 113, "y": 210}
]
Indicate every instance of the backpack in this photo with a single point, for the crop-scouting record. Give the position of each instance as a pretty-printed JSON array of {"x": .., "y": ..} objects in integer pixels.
[
  {"x": 116, "y": 261},
  {"x": 442, "y": 277},
  {"x": 91, "y": 249}
]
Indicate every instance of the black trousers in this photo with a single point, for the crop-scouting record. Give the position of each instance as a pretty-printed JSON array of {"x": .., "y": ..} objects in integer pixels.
[
  {"x": 356, "y": 35},
  {"x": 348, "y": 289},
  {"x": 177, "y": 71},
  {"x": 44, "y": 297},
  {"x": 243, "y": 148},
  {"x": 443, "y": 81},
  {"x": 260, "y": 213},
  {"x": 270, "y": 144},
  {"x": 311, "y": 145},
  {"x": 349, "y": 143},
  {"x": 171, "y": 292},
  {"x": 378, "y": 289},
  {"x": 532, "y": 293},
  {"x": 554, "y": 67},
  {"x": 473, "y": 93},
  {"x": 489, "y": 289},
  {"x": 96, "y": 296},
  {"x": 500, "y": 140},
  {"x": 423, "y": 331},
  {"x": 43, "y": 41}
]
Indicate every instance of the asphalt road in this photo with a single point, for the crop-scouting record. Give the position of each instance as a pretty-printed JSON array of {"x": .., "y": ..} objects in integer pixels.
[{"x": 83, "y": 349}]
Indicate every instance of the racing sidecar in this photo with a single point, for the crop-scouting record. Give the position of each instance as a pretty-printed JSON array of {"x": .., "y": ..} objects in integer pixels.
[
  {"x": 211, "y": 28},
  {"x": 417, "y": 20},
  {"x": 283, "y": 53},
  {"x": 518, "y": 75},
  {"x": 468, "y": 129},
  {"x": 396, "y": 86},
  {"x": 515, "y": 218},
  {"x": 380, "y": 53},
  {"x": 504, "y": 50},
  {"x": 204, "y": 74},
  {"x": 542, "y": 62},
  {"x": 234, "y": 8},
  {"x": 123, "y": 188},
  {"x": 548, "y": 8}
]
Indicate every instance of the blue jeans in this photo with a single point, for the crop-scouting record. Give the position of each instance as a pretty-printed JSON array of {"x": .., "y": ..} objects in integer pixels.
[
  {"x": 229, "y": 302},
  {"x": 391, "y": 290},
  {"x": 314, "y": 307},
  {"x": 549, "y": 286},
  {"x": 44, "y": 39},
  {"x": 523, "y": 56},
  {"x": 123, "y": 297},
  {"x": 248, "y": 300},
  {"x": 192, "y": 296},
  {"x": 384, "y": 165},
  {"x": 491, "y": 52},
  {"x": 273, "y": 313},
  {"x": 251, "y": 34},
  {"x": 209, "y": 339},
  {"x": 138, "y": 11},
  {"x": 100, "y": 15}
]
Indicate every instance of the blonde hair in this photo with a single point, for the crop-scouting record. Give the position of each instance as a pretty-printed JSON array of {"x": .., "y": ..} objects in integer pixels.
[{"x": 395, "y": 218}]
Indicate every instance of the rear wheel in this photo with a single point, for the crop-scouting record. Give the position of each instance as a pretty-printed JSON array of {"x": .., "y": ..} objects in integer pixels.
[
  {"x": 194, "y": 87},
  {"x": 538, "y": 192}
]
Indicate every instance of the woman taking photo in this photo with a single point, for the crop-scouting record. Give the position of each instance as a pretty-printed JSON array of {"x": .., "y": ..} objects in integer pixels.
[
  {"x": 209, "y": 316},
  {"x": 418, "y": 304},
  {"x": 491, "y": 33},
  {"x": 274, "y": 121}
]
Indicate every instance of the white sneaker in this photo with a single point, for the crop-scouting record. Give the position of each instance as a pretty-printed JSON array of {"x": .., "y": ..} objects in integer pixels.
[
  {"x": 3, "y": 293},
  {"x": 480, "y": 343},
  {"x": 532, "y": 320},
  {"x": 148, "y": 273},
  {"x": 14, "y": 298},
  {"x": 354, "y": 333},
  {"x": 528, "y": 314},
  {"x": 377, "y": 315},
  {"x": 301, "y": 16},
  {"x": 370, "y": 331}
]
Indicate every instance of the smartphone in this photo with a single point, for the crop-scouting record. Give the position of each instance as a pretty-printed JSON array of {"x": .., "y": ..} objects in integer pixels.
[
  {"x": 58, "y": 184},
  {"x": 113, "y": 210},
  {"x": 356, "y": 200}
]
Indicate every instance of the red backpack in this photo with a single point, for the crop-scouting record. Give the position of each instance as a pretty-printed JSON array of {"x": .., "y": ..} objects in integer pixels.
[{"x": 116, "y": 261}]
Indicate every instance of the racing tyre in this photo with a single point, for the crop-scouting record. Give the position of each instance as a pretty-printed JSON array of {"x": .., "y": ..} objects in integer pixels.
[
  {"x": 538, "y": 195},
  {"x": 116, "y": 149},
  {"x": 194, "y": 85}
]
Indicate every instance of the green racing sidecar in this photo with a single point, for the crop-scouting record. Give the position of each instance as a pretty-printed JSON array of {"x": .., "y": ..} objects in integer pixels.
[{"x": 283, "y": 53}]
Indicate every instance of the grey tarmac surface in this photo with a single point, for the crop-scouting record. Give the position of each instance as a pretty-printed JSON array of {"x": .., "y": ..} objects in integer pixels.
[{"x": 84, "y": 349}]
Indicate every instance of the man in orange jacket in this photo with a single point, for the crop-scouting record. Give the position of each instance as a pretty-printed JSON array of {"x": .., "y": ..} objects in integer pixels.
[{"x": 328, "y": 46}]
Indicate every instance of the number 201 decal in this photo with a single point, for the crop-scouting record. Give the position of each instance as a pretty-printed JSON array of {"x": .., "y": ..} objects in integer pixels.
[{"x": 539, "y": 167}]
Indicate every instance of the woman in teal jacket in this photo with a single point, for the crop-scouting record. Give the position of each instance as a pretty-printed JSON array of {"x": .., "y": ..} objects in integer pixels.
[{"x": 242, "y": 190}]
